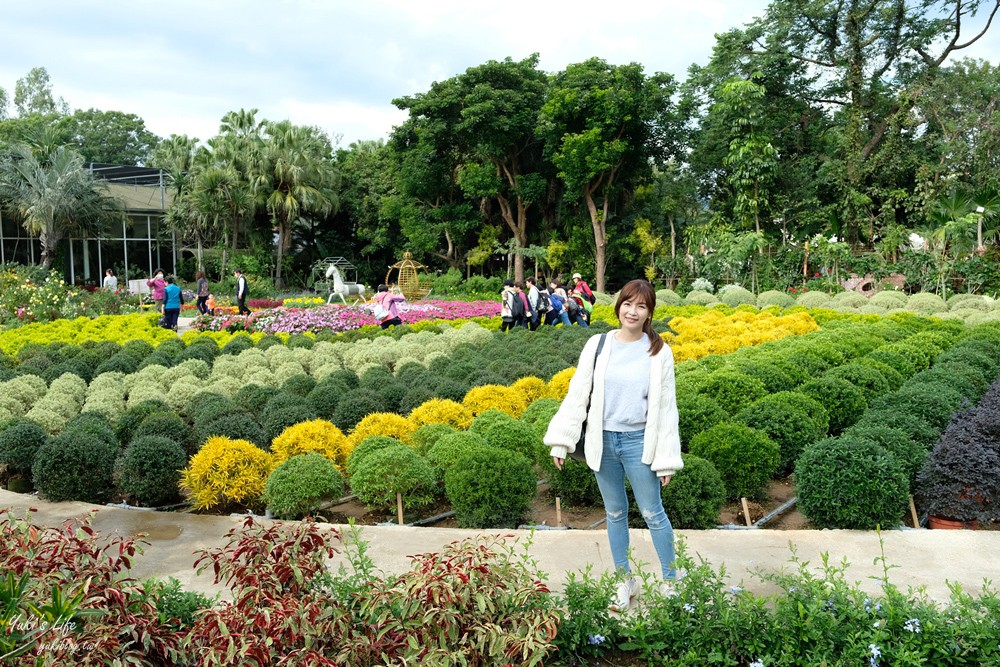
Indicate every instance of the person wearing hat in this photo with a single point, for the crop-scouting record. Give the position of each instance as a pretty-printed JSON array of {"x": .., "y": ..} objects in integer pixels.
[{"x": 581, "y": 287}]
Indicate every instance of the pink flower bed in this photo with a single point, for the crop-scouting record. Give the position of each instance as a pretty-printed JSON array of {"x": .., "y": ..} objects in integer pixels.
[{"x": 343, "y": 318}]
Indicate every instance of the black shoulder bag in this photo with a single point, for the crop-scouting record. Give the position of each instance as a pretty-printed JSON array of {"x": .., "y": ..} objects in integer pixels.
[{"x": 578, "y": 453}]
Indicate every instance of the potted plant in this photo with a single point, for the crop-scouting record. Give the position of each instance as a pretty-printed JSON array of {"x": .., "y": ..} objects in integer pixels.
[{"x": 960, "y": 481}]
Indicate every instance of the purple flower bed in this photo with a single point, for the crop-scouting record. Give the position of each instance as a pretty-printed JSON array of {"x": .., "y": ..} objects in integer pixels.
[{"x": 343, "y": 318}]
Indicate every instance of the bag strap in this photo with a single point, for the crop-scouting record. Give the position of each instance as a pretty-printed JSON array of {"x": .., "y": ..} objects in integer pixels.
[{"x": 600, "y": 346}]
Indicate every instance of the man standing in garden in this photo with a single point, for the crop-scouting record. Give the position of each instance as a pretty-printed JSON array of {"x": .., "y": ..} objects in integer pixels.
[{"x": 242, "y": 291}]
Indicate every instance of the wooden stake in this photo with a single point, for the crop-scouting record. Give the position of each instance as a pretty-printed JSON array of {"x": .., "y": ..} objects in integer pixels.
[
  {"x": 399, "y": 508},
  {"x": 558, "y": 512},
  {"x": 913, "y": 514},
  {"x": 746, "y": 511}
]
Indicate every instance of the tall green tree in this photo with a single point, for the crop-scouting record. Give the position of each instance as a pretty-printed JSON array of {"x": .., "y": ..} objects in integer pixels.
[
  {"x": 604, "y": 127},
  {"x": 53, "y": 195},
  {"x": 33, "y": 95},
  {"x": 297, "y": 179},
  {"x": 869, "y": 60},
  {"x": 110, "y": 137},
  {"x": 752, "y": 158},
  {"x": 488, "y": 118}
]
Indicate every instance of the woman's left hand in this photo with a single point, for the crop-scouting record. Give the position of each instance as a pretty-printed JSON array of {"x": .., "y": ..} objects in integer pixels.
[{"x": 665, "y": 480}]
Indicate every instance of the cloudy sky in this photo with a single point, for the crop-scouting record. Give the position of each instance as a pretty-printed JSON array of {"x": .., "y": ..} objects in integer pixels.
[{"x": 181, "y": 65}]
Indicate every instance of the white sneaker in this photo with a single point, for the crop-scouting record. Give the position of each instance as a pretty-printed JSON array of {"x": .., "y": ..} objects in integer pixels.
[
  {"x": 668, "y": 588},
  {"x": 624, "y": 592}
]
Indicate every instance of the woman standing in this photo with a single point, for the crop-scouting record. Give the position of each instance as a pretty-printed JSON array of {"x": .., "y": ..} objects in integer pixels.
[
  {"x": 202, "y": 291},
  {"x": 631, "y": 428},
  {"x": 110, "y": 281},
  {"x": 171, "y": 304},
  {"x": 158, "y": 285}
]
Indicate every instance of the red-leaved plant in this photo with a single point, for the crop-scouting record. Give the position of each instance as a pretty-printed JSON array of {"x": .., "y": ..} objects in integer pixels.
[{"x": 77, "y": 604}]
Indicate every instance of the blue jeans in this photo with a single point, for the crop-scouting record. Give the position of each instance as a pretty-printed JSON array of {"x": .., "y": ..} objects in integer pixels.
[{"x": 623, "y": 456}]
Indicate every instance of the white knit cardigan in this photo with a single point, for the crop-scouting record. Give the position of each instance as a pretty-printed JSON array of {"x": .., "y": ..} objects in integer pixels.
[{"x": 661, "y": 448}]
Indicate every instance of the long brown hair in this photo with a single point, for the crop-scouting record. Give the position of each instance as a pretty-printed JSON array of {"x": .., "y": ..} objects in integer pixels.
[{"x": 639, "y": 289}]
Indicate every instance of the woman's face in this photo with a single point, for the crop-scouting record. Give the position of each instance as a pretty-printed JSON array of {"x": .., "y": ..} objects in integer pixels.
[{"x": 633, "y": 314}]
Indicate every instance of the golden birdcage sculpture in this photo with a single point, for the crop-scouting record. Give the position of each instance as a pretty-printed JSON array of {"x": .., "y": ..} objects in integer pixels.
[{"x": 411, "y": 284}]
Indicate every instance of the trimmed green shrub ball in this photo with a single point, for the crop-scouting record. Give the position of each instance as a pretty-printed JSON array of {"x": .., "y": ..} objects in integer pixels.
[
  {"x": 814, "y": 299},
  {"x": 252, "y": 398},
  {"x": 268, "y": 341},
  {"x": 299, "y": 385},
  {"x": 168, "y": 425},
  {"x": 872, "y": 383},
  {"x": 897, "y": 361},
  {"x": 888, "y": 299},
  {"x": 788, "y": 426},
  {"x": 891, "y": 375},
  {"x": 19, "y": 443},
  {"x": 732, "y": 390},
  {"x": 575, "y": 484},
  {"x": 844, "y": 402},
  {"x": 301, "y": 483},
  {"x": 93, "y": 423},
  {"x": 667, "y": 297},
  {"x": 237, "y": 344},
  {"x": 745, "y": 457},
  {"x": 235, "y": 426},
  {"x": 133, "y": 416},
  {"x": 540, "y": 413},
  {"x": 325, "y": 397},
  {"x": 414, "y": 397},
  {"x": 773, "y": 376},
  {"x": 700, "y": 297},
  {"x": 693, "y": 499},
  {"x": 300, "y": 340},
  {"x": 367, "y": 447},
  {"x": 149, "y": 470},
  {"x": 932, "y": 402},
  {"x": 734, "y": 295},
  {"x": 488, "y": 419},
  {"x": 774, "y": 298},
  {"x": 355, "y": 406},
  {"x": 75, "y": 466},
  {"x": 926, "y": 303},
  {"x": 697, "y": 413},
  {"x": 491, "y": 488},
  {"x": 276, "y": 420},
  {"x": 428, "y": 435},
  {"x": 446, "y": 452},
  {"x": 205, "y": 407},
  {"x": 850, "y": 482},
  {"x": 910, "y": 453},
  {"x": 378, "y": 477},
  {"x": 516, "y": 437}
]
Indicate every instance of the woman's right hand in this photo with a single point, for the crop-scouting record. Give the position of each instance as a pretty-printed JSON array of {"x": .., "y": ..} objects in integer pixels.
[{"x": 558, "y": 461}]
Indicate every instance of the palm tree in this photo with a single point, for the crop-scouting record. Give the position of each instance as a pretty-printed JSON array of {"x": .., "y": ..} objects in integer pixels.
[
  {"x": 53, "y": 195},
  {"x": 297, "y": 179}
]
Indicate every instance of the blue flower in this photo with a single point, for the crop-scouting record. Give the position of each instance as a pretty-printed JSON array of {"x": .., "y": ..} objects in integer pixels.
[
  {"x": 596, "y": 640},
  {"x": 912, "y": 625}
]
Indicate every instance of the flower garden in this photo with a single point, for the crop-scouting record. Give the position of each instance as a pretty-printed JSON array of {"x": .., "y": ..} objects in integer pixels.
[{"x": 300, "y": 405}]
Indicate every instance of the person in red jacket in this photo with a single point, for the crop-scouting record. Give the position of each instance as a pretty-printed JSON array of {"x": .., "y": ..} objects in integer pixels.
[{"x": 581, "y": 287}]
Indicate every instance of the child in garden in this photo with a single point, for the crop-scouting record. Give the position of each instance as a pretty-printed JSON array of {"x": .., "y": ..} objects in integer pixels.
[{"x": 622, "y": 401}]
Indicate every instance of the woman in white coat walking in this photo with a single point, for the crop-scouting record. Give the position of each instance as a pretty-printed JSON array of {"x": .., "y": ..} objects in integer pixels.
[{"x": 626, "y": 400}]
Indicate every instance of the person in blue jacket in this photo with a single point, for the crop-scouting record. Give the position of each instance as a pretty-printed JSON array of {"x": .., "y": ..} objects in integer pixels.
[{"x": 171, "y": 304}]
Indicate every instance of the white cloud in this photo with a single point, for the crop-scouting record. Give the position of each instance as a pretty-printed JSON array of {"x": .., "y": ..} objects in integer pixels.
[{"x": 334, "y": 63}]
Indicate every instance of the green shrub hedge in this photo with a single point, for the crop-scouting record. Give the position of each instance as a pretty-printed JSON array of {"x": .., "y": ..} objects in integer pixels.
[
  {"x": 149, "y": 470},
  {"x": 850, "y": 482},
  {"x": 745, "y": 458},
  {"x": 301, "y": 483},
  {"x": 491, "y": 488}
]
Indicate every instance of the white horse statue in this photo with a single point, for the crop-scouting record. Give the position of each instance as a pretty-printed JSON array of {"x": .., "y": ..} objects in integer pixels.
[{"x": 342, "y": 288}]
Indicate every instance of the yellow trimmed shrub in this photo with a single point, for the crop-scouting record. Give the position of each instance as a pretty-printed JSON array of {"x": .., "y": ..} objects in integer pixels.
[
  {"x": 531, "y": 388},
  {"x": 382, "y": 423},
  {"x": 315, "y": 435},
  {"x": 558, "y": 386},
  {"x": 441, "y": 411},
  {"x": 495, "y": 397},
  {"x": 226, "y": 471}
]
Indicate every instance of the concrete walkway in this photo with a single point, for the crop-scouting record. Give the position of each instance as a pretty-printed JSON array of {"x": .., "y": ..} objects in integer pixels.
[{"x": 925, "y": 558}]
